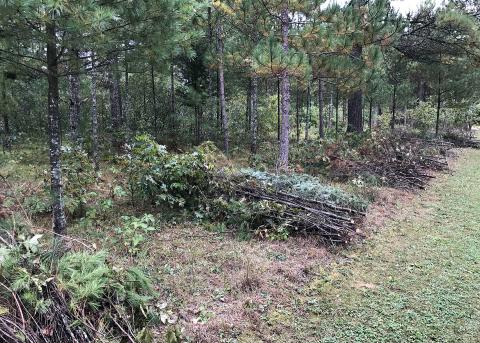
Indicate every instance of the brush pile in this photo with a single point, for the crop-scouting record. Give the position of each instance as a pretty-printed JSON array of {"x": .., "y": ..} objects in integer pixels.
[
  {"x": 276, "y": 206},
  {"x": 462, "y": 139},
  {"x": 399, "y": 162}
]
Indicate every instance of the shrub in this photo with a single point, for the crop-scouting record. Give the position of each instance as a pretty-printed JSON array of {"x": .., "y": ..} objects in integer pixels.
[
  {"x": 165, "y": 179},
  {"x": 134, "y": 231},
  {"x": 79, "y": 174}
]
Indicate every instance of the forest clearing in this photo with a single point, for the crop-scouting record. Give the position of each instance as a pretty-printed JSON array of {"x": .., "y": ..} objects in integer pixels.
[{"x": 239, "y": 171}]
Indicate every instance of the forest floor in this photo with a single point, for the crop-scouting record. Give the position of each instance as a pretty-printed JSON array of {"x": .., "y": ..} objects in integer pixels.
[{"x": 416, "y": 278}]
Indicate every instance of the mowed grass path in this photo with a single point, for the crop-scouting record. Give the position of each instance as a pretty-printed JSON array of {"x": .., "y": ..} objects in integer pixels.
[{"x": 417, "y": 280}]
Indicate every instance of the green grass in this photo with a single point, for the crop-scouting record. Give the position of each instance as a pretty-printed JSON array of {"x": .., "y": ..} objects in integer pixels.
[{"x": 417, "y": 280}]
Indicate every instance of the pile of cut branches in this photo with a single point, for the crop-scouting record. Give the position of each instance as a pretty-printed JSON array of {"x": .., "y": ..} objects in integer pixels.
[
  {"x": 396, "y": 161},
  {"x": 462, "y": 139},
  {"x": 274, "y": 205}
]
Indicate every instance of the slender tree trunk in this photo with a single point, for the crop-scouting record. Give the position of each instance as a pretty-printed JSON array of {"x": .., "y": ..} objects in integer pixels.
[
  {"x": 394, "y": 106},
  {"x": 154, "y": 102},
  {"x": 355, "y": 113},
  {"x": 344, "y": 110},
  {"x": 279, "y": 115},
  {"x": 127, "y": 106},
  {"x": 337, "y": 100},
  {"x": 248, "y": 112},
  {"x": 321, "y": 128},
  {"x": 115, "y": 109},
  {"x": 309, "y": 111},
  {"x": 285, "y": 95},
  {"x": 254, "y": 114},
  {"x": 59, "y": 221},
  {"x": 330, "y": 110},
  {"x": 173, "y": 101},
  {"x": 439, "y": 104},
  {"x": 74, "y": 90},
  {"x": 94, "y": 114},
  {"x": 370, "y": 108},
  {"x": 297, "y": 117},
  {"x": 3, "y": 108},
  {"x": 221, "y": 89}
]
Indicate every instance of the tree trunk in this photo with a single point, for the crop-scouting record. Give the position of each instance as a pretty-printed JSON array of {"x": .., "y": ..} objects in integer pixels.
[
  {"x": 254, "y": 114},
  {"x": 355, "y": 113},
  {"x": 74, "y": 90},
  {"x": 297, "y": 118},
  {"x": 127, "y": 106},
  {"x": 221, "y": 89},
  {"x": 154, "y": 102},
  {"x": 309, "y": 111},
  {"x": 114, "y": 88},
  {"x": 173, "y": 100},
  {"x": 248, "y": 107},
  {"x": 330, "y": 110},
  {"x": 59, "y": 221},
  {"x": 279, "y": 115},
  {"x": 321, "y": 88},
  {"x": 337, "y": 100},
  {"x": 355, "y": 119},
  {"x": 3, "y": 108},
  {"x": 370, "y": 108},
  {"x": 439, "y": 104},
  {"x": 94, "y": 114},
  {"x": 394, "y": 106},
  {"x": 285, "y": 95}
]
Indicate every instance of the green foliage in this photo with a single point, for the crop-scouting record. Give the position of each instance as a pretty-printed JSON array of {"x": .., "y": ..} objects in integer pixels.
[
  {"x": 248, "y": 218},
  {"x": 135, "y": 230},
  {"x": 38, "y": 204},
  {"x": 79, "y": 175},
  {"x": 90, "y": 284},
  {"x": 423, "y": 117},
  {"x": 164, "y": 178}
]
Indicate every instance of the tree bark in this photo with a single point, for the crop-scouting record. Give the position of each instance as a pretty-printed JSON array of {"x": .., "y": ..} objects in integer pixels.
[
  {"x": 297, "y": 118},
  {"x": 355, "y": 113},
  {"x": 173, "y": 101},
  {"x": 394, "y": 106},
  {"x": 285, "y": 94},
  {"x": 279, "y": 111},
  {"x": 337, "y": 100},
  {"x": 248, "y": 112},
  {"x": 115, "y": 109},
  {"x": 221, "y": 88},
  {"x": 3, "y": 108},
  {"x": 370, "y": 109},
  {"x": 330, "y": 110},
  {"x": 439, "y": 104},
  {"x": 254, "y": 114},
  {"x": 321, "y": 128},
  {"x": 309, "y": 112},
  {"x": 154, "y": 102},
  {"x": 355, "y": 119},
  {"x": 74, "y": 92},
  {"x": 94, "y": 115},
  {"x": 128, "y": 101},
  {"x": 59, "y": 221}
]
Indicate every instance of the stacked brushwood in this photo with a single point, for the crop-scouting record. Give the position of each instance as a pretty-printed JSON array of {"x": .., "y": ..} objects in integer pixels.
[
  {"x": 462, "y": 140},
  {"x": 332, "y": 223},
  {"x": 330, "y": 214},
  {"x": 400, "y": 162}
]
